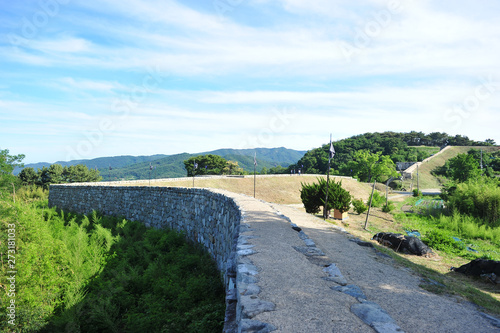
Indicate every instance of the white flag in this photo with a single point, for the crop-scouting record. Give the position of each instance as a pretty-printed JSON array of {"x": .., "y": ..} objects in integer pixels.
[{"x": 332, "y": 150}]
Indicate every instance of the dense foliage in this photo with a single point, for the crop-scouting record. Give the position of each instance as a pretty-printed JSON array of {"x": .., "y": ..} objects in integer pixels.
[
  {"x": 399, "y": 147},
  {"x": 468, "y": 166},
  {"x": 479, "y": 198},
  {"x": 314, "y": 195},
  {"x": 98, "y": 274},
  {"x": 211, "y": 165},
  {"x": 57, "y": 174}
]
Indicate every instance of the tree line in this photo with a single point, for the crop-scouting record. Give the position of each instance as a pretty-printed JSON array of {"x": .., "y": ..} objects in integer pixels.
[{"x": 57, "y": 174}]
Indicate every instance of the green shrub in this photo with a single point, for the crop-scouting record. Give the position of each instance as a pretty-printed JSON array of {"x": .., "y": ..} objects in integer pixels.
[
  {"x": 388, "y": 208},
  {"x": 417, "y": 193},
  {"x": 478, "y": 198},
  {"x": 313, "y": 196},
  {"x": 359, "y": 206},
  {"x": 378, "y": 199},
  {"x": 100, "y": 274}
]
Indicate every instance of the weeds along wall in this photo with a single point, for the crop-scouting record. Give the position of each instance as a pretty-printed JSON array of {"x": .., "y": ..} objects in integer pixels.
[{"x": 206, "y": 217}]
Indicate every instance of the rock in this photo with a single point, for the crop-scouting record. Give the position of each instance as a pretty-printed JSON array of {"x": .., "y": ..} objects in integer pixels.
[
  {"x": 252, "y": 306},
  {"x": 372, "y": 314},
  {"x": 255, "y": 326},
  {"x": 351, "y": 290},
  {"x": 334, "y": 275}
]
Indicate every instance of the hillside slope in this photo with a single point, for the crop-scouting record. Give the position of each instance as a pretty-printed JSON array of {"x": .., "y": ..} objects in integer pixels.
[{"x": 427, "y": 180}]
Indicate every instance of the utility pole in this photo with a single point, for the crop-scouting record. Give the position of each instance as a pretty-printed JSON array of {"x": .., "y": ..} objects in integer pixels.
[
  {"x": 481, "y": 161},
  {"x": 254, "y": 172},
  {"x": 418, "y": 183},
  {"x": 370, "y": 205}
]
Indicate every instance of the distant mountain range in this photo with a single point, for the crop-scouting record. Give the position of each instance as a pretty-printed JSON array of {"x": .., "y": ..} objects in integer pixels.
[{"x": 168, "y": 166}]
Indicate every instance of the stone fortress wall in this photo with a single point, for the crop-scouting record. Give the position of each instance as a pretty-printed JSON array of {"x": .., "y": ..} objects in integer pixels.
[{"x": 209, "y": 218}]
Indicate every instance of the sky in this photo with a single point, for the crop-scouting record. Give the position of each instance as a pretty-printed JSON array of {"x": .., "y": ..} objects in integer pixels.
[{"x": 85, "y": 79}]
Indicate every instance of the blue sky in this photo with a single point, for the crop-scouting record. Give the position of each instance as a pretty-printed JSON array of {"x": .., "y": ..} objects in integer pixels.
[{"x": 85, "y": 79}]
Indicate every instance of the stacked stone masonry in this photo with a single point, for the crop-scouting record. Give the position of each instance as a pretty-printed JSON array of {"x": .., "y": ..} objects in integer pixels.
[{"x": 206, "y": 217}]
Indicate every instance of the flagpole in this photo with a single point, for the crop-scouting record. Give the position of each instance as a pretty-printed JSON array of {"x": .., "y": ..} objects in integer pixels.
[
  {"x": 195, "y": 166},
  {"x": 331, "y": 152},
  {"x": 254, "y": 171}
]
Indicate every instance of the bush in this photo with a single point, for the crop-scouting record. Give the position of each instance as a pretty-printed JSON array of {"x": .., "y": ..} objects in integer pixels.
[
  {"x": 359, "y": 206},
  {"x": 101, "y": 274},
  {"x": 417, "y": 193},
  {"x": 388, "y": 208},
  {"x": 378, "y": 199},
  {"x": 478, "y": 198},
  {"x": 313, "y": 196}
]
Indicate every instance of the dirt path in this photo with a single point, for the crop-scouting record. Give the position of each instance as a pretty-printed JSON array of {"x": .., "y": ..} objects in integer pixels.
[{"x": 303, "y": 295}]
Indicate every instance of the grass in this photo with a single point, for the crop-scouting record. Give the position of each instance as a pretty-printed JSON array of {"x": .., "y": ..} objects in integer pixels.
[
  {"x": 436, "y": 269},
  {"x": 281, "y": 190},
  {"x": 93, "y": 273}
]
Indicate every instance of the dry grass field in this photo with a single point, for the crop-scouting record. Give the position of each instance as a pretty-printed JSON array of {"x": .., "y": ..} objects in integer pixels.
[{"x": 279, "y": 189}]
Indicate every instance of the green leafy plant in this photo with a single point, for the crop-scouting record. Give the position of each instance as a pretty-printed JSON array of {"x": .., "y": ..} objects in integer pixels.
[
  {"x": 359, "y": 206},
  {"x": 388, "y": 208},
  {"x": 378, "y": 200},
  {"x": 103, "y": 274},
  {"x": 313, "y": 196}
]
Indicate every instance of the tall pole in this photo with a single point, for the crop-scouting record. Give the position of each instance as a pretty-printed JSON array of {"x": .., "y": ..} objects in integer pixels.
[
  {"x": 194, "y": 170},
  {"x": 254, "y": 172},
  {"x": 331, "y": 153},
  {"x": 481, "y": 161},
  {"x": 370, "y": 204},
  {"x": 418, "y": 182}
]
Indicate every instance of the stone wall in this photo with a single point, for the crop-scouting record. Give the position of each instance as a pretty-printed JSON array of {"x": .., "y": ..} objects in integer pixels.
[{"x": 206, "y": 217}]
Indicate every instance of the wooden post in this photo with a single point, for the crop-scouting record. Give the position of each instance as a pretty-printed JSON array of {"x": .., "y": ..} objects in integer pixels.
[{"x": 370, "y": 205}]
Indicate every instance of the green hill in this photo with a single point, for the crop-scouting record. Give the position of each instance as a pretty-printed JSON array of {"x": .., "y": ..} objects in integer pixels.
[
  {"x": 101, "y": 163},
  {"x": 172, "y": 165},
  {"x": 400, "y": 147},
  {"x": 427, "y": 180},
  {"x": 168, "y": 166}
]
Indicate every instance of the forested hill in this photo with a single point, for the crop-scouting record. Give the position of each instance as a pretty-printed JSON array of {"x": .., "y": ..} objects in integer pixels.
[
  {"x": 166, "y": 166},
  {"x": 173, "y": 166},
  {"x": 400, "y": 147}
]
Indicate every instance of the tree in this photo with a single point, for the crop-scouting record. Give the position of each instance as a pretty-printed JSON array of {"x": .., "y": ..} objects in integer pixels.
[
  {"x": 313, "y": 196},
  {"x": 490, "y": 142},
  {"x": 7, "y": 165},
  {"x": 28, "y": 176},
  {"x": 57, "y": 174},
  {"x": 9, "y": 162},
  {"x": 463, "y": 167},
  {"x": 232, "y": 168},
  {"x": 205, "y": 165},
  {"x": 367, "y": 165}
]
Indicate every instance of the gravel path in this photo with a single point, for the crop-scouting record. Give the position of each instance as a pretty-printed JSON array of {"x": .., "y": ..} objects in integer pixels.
[{"x": 364, "y": 291}]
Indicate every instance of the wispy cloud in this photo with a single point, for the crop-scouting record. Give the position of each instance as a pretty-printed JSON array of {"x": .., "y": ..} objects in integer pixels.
[{"x": 368, "y": 65}]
